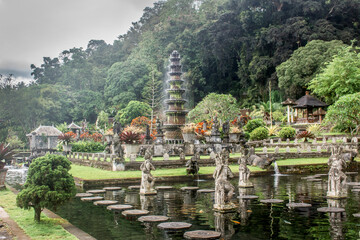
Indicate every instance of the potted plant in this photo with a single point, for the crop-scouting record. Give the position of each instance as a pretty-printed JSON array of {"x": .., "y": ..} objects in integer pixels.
[
  {"x": 6, "y": 155},
  {"x": 188, "y": 132},
  {"x": 65, "y": 139},
  {"x": 131, "y": 137},
  {"x": 234, "y": 134}
]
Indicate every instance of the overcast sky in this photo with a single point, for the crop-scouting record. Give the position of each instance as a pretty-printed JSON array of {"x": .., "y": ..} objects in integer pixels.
[{"x": 33, "y": 29}]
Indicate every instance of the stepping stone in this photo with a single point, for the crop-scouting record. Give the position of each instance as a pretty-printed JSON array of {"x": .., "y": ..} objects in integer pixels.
[
  {"x": 206, "y": 190},
  {"x": 355, "y": 190},
  {"x": 189, "y": 188},
  {"x": 356, "y": 214},
  {"x": 135, "y": 212},
  {"x": 80, "y": 195},
  {"x": 353, "y": 183},
  {"x": 321, "y": 175},
  {"x": 164, "y": 188},
  {"x": 119, "y": 207},
  {"x": 331, "y": 209},
  {"x": 174, "y": 225},
  {"x": 105, "y": 202},
  {"x": 351, "y": 173},
  {"x": 153, "y": 218},
  {"x": 202, "y": 234},
  {"x": 248, "y": 197},
  {"x": 314, "y": 180},
  {"x": 308, "y": 177},
  {"x": 96, "y": 191},
  {"x": 88, "y": 199},
  {"x": 112, "y": 188},
  {"x": 298, "y": 205},
  {"x": 272, "y": 201},
  {"x": 356, "y": 187},
  {"x": 134, "y": 187}
]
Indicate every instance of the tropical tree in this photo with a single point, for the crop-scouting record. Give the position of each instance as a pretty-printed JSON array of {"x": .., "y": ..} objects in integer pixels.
[
  {"x": 221, "y": 105},
  {"x": 344, "y": 113},
  {"x": 295, "y": 73},
  {"x": 48, "y": 184},
  {"x": 133, "y": 110},
  {"x": 340, "y": 77}
]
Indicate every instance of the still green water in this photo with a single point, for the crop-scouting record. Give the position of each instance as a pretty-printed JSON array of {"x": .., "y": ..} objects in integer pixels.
[{"x": 252, "y": 219}]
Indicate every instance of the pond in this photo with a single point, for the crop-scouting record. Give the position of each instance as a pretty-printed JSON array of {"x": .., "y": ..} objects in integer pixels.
[{"x": 252, "y": 219}]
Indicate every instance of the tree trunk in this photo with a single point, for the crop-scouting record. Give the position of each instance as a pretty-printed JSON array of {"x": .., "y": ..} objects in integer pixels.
[{"x": 37, "y": 214}]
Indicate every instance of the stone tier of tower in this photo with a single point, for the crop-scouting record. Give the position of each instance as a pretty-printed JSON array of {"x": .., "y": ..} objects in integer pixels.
[{"x": 176, "y": 112}]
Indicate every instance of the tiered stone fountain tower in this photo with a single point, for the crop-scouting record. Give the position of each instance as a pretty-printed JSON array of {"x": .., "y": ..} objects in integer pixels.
[{"x": 175, "y": 113}]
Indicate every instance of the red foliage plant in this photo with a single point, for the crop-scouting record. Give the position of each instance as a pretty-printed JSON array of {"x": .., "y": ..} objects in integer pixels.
[
  {"x": 305, "y": 135},
  {"x": 142, "y": 121},
  {"x": 130, "y": 137},
  {"x": 6, "y": 152}
]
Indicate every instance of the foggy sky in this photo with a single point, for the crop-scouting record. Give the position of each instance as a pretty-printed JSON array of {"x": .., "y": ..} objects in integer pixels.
[{"x": 33, "y": 29}]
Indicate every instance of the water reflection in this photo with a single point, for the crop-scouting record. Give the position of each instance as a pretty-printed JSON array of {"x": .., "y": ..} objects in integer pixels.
[{"x": 252, "y": 220}]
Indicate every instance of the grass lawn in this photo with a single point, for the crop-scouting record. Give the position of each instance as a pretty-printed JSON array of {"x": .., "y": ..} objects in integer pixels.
[
  {"x": 90, "y": 173},
  {"x": 301, "y": 161},
  {"x": 47, "y": 229}
]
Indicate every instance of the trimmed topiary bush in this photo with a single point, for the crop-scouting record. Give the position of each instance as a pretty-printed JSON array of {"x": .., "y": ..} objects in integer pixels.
[
  {"x": 253, "y": 124},
  {"x": 259, "y": 133},
  {"x": 48, "y": 185},
  {"x": 87, "y": 146},
  {"x": 287, "y": 132}
]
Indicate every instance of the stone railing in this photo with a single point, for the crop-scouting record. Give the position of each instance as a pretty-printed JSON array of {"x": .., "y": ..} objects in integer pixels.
[
  {"x": 324, "y": 140},
  {"x": 98, "y": 160}
]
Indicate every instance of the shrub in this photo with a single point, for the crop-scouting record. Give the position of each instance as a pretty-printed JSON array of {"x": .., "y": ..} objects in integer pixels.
[
  {"x": 305, "y": 135},
  {"x": 277, "y": 116},
  {"x": 253, "y": 124},
  {"x": 273, "y": 130},
  {"x": 287, "y": 132},
  {"x": 87, "y": 146},
  {"x": 48, "y": 184},
  {"x": 259, "y": 133}
]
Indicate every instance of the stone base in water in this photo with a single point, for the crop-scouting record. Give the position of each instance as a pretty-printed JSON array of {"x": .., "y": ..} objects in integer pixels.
[
  {"x": 246, "y": 185},
  {"x": 151, "y": 192},
  {"x": 331, "y": 195},
  {"x": 230, "y": 207}
]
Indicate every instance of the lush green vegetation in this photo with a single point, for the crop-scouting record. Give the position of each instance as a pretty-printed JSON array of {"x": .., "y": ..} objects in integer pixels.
[
  {"x": 259, "y": 133},
  {"x": 227, "y": 46},
  {"x": 287, "y": 132},
  {"x": 46, "y": 229},
  {"x": 48, "y": 184},
  {"x": 87, "y": 146},
  {"x": 302, "y": 161}
]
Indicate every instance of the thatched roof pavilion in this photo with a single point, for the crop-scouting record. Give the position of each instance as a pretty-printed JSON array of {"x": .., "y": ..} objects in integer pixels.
[{"x": 307, "y": 104}]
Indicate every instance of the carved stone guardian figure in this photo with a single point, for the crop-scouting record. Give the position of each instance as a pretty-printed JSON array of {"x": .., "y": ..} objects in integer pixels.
[
  {"x": 147, "y": 180},
  {"x": 224, "y": 190},
  {"x": 244, "y": 174},
  {"x": 336, "y": 175}
]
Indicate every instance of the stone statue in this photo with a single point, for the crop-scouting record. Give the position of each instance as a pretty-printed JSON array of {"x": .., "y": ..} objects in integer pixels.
[
  {"x": 181, "y": 154},
  {"x": 224, "y": 190},
  {"x": 117, "y": 148},
  {"x": 148, "y": 136},
  {"x": 226, "y": 127},
  {"x": 159, "y": 127},
  {"x": 117, "y": 128},
  {"x": 336, "y": 175},
  {"x": 244, "y": 174},
  {"x": 147, "y": 180},
  {"x": 215, "y": 127},
  {"x": 192, "y": 166},
  {"x": 83, "y": 126}
]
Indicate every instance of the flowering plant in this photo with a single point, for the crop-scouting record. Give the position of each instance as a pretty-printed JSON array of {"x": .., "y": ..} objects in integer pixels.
[
  {"x": 141, "y": 123},
  {"x": 66, "y": 138}
]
